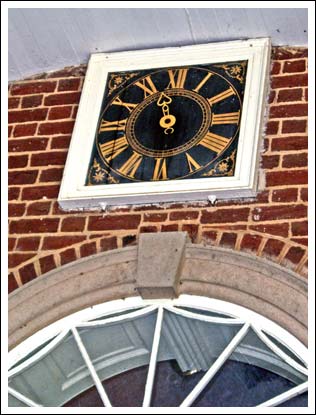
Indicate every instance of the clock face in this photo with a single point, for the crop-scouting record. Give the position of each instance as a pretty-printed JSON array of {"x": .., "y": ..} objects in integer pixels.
[{"x": 169, "y": 123}]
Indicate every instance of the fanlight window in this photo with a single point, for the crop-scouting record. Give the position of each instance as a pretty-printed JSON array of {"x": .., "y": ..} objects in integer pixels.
[{"x": 192, "y": 351}]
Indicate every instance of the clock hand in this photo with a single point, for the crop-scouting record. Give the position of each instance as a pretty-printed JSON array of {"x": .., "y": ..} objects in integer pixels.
[{"x": 168, "y": 120}]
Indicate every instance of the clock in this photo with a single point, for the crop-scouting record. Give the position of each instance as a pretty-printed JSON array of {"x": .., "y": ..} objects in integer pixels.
[{"x": 168, "y": 124}]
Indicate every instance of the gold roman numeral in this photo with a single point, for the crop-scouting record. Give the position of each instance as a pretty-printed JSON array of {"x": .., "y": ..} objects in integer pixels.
[
  {"x": 221, "y": 96},
  {"x": 177, "y": 78},
  {"x": 214, "y": 142},
  {"x": 228, "y": 118},
  {"x": 130, "y": 167},
  {"x": 113, "y": 148},
  {"x": 193, "y": 165},
  {"x": 160, "y": 171},
  {"x": 204, "y": 80},
  {"x": 147, "y": 86},
  {"x": 127, "y": 105},
  {"x": 112, "y": 125}
]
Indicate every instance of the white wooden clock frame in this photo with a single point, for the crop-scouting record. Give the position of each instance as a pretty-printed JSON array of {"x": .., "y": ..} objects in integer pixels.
[{"x": 74, "y": 195}]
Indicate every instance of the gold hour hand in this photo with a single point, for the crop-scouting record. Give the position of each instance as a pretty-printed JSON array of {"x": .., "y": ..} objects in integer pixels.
[{"x": 168, "y": 120}]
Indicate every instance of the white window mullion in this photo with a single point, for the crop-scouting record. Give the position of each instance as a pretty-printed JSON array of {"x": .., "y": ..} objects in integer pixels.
[
  {"x": 91, "y": 368},
  {"x": 216, "y": 366},
  {"x": 153, "y": 359},
  {"x": 283, "y": 397},
  {"x": 22, "y": 397}
]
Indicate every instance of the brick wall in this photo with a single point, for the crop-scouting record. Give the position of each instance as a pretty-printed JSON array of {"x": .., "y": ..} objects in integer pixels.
[{"x": 42, "y": 237}]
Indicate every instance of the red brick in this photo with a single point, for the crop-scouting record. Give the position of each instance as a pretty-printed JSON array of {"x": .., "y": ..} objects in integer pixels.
[
  {"x": 155, "y": 217},
  {"x": 251, "y": 242},
  {"x": 38, "y": 114},
  {"x": 228, "y": 239},
  {"x": 299, "y": 228},
  {"x": 88, "y": 249},
  {"x": 302, "y": 241},
  {"x": 17, "y": 259},
  {"x": 147, "y": 229},
  {"x": 38, "y": 208},
  {"x": 279, "y": 229},
  {"x": 13, "y": 193},
  {"x": 75, "y": 111},
  {"x": 280, "y": 53},
  {"x": 287, "y": 177},
  {"x": 32, "y": 101},
  {"x": 271, "y": 96},
  {"x": 295, "y": 160},
  {"x": 42, "y": 225},
  {"x": 24, "y": 130},
  {"x": 56, "y": 242},
  {"x": 49, "y": 158},
  {"x": 287, "y": 111},
  {"x": 209, "y": 235},
  {"x": 272, "y": 127},
  {"x": 288, "y": 95},
  {"x": 276, "y": 66},
  {"x": 169, "y": 228},
  {"x": 31, "y": 88},
  {"x": 50, "y": 128},
  {"x": 47, "y": 263},
  {"x": 28, "y": 144},
  {"x": 306, "y": 94},
  {"x": 273, "y": 247},
  {"x": 279, "y": 212},
  {"x": 113, "y": 222},
  {"x": 15, "y": 162},
  {"x": 294, "y": 66},
  {"x": 294, "y": 126},
  {"x": 22, "y": 177},
  {"x": 289, "y": 143},
  {"x": 71, "y": 84},
  {"x": 61, "y": 141},
  {"x": 11, "y": 244},
  {"x": 129, "y": 240},
  {"x": 229, "y": 227},
  {"x": 28, "y": 243},
  {"x": 12, "y": 284},
  {"x": 289, "y": 81},
  {"x": 184, "y": 215},
  {"x": 16, "y": 209},
  {"x": 107, "y": 244},
  {"x": 27, "y": 273},
  {"x": 51, "y": 175},
  {"x": 62, "y": 99},
  {"x": 141, "y": 208},
  {"x": 10, "y": 128},
  {"x": 192, "y": 231},
  {"x": 270, "y": 162},
  {"x": 40, "y": 192},
  {"x": 304, "y": 195},
  {"x": 67, "y": 256},
  {"x": 13, "y": 102},
  {"x": 285, "y": 195},
  {"x": 57, "y": 113},
  {"x": 295, "y": 254},
  {"x": 73, "y": 224},
  {"x": 225, "y": 215}
]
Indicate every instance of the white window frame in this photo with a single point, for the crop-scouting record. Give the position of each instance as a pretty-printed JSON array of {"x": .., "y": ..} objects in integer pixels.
[{"x": 74, "y": 195}]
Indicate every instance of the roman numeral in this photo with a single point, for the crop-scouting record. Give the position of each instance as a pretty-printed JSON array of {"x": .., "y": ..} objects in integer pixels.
[
  {"x": 193, "y": 165},
  {"x": 160, "y": 171},
  {"x": 214, "y": 142},
  {"x": 112, "y": 125},
  {"x": 221, "y": 96},
  {"x": 177, "y": 78},
  {"x": 228, "y": 118},
  {"x": 127, "y": 105},
  {"x": 130, "y": 167},
  {"x": 147, "y": 86},
  {"x": 113, "y": 148},
  {"x": 204, "y": 80}
]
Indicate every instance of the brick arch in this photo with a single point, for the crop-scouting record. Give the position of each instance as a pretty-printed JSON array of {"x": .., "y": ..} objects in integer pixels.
[{"x": 277, "y": 249}]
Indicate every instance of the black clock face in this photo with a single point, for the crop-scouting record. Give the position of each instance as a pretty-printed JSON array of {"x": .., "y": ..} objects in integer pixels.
[{"x": 169, "y": 123}]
